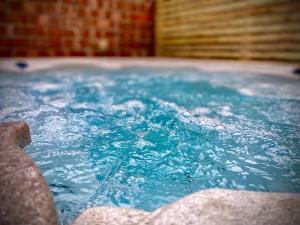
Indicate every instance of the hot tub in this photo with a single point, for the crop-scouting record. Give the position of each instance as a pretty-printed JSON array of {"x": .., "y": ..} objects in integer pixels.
[{"x": 141, "y": 133}]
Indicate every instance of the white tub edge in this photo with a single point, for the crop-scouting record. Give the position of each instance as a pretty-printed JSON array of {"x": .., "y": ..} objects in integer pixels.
[{"x": 257, "y": 67}]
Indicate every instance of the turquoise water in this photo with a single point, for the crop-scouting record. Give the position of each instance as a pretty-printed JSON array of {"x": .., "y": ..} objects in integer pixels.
[{"x": 141, "y": 138}]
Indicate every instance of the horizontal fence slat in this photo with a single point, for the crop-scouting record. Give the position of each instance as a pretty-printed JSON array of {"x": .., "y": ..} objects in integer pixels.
[
  {"x": 237, "y": 55},
  {"x": 241, "y": 30}
]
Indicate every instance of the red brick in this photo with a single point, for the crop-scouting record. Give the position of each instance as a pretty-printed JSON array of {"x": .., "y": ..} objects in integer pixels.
[
  {"x": 49, "y": 28},
  {"x": 43, "y": 52},
  {"x": 55, "y": 42},
  {"x": 21, "y": 52},
  {"x": 81, "y": 12},
  {"x": 68, "y": 43},
  {"x": 5, "y": 52},
  {"x": 29, "y": 31},
  {"x": 32, "y": 53},
  {"x": 94, "y": 13},
  {"x": 84, "y": 43},
  {"x": 20, "y": 42},
  {"x": 16, "y": 5},
  {"x": 40, "y": 43},
  {"x": 59, "y": 32},
  {"x": 59, "y": 53},
  {"x": 5, "y": 42},
  {"x": 78, "y": 53},
  {"x": 30, "y": 7},
  {"x": 141, "y": 17}
]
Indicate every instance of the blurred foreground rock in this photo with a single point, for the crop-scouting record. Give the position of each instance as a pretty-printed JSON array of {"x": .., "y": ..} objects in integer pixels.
[
  {"x": 208, "y": 207},
  {"x": 110, "y": 216},
  {"x": 24, "y": 195}
]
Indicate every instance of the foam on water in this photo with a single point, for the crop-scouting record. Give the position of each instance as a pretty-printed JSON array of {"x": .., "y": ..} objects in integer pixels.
[{"x": 142, "y": 138}]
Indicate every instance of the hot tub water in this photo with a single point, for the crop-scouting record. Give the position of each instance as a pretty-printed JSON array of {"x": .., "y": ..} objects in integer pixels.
[{"x": 142, "y": 138}]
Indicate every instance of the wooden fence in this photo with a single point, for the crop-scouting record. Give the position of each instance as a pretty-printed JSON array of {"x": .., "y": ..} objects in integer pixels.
[{"x": 237, "y": 29}]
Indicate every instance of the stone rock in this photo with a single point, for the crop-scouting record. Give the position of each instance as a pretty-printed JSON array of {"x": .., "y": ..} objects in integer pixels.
[
  {"x": 110, "y": 216},
  {"x": 14, "y": 134},
  {"x": 208, "y": 207},
  {"x": 224, "y": 207},
  {"x": 25, "y": 197}
]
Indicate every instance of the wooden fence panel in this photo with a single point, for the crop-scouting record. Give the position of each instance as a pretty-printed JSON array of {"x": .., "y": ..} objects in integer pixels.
[{"x": 236, "y": 29}]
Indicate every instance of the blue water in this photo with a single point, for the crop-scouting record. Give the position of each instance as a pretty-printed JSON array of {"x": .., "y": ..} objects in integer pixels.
[{"x": 141, "y": 138}]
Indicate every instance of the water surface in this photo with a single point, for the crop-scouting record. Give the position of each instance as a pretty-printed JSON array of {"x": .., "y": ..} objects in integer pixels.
[{"x": 141, "y": 138}]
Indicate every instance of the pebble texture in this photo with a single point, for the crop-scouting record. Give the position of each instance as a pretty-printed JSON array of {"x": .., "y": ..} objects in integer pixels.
[
  {"x": 217, "y": 206},
  {"x": 208, "y": 207},
  {"x": 110, "y": 216},
  {"x": 24, "y": 195}
]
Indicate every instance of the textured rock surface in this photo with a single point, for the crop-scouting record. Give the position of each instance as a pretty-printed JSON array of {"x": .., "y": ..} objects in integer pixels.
[
  {"x": 217, "y": 206},
  {"x": 110, "y": 216},
  {"x": 24, "y": 195},
  {"x": 14, "y": 134},
  {"x": 209, "y": 207}
]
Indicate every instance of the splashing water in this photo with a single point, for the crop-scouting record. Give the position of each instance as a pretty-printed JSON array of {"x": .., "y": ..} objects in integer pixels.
[{"x": 142, "y": 138}]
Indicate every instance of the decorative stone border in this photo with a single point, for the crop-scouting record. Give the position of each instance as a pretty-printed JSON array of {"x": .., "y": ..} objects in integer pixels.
[
  {"x": 24, "y": 195},
  {"x": 208, "y": 207}
]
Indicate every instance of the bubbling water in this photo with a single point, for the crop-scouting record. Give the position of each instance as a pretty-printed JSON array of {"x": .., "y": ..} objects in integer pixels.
[{"x": 142, "y": 138}]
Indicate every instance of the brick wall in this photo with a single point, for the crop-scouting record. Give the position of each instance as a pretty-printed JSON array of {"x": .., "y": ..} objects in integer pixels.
[{"x": 76, "y": 28}]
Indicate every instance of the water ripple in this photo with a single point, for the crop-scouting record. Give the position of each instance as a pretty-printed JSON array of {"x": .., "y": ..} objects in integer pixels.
[{"x": 142, "y": 138}]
